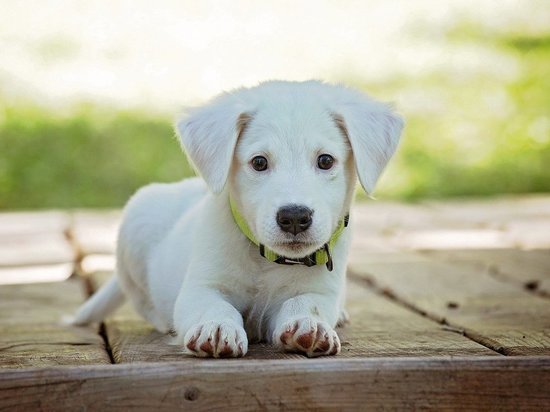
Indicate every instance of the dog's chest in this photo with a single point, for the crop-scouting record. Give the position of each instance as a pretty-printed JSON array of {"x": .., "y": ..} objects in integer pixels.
[{"x": 261, "y": 298}]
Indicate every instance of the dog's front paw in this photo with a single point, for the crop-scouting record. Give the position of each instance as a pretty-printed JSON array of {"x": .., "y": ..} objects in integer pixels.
[
  {"x": 308, "y": 336},
  {"x": 217, "y": 340}
]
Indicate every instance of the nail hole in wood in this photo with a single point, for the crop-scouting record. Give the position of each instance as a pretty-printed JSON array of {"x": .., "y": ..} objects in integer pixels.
[
  {"x": 532, "y": 285},
  {"x": 191, "y": 394}
]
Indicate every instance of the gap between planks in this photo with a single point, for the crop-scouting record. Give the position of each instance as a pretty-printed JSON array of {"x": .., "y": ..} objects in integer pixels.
[
  {"x": 89, "y": 291},
  {"x": 370, "y": 283},
  {"x": 500, "y": 315},
  {"x": 70, "y": 234}
]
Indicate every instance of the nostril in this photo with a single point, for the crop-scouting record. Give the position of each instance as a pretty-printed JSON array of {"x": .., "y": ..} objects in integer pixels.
[
  {"x": 285, "y": 221},
  {"x": 294, "y": 218}
]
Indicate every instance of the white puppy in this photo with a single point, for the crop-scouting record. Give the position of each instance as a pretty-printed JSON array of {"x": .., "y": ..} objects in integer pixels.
[{"x": 257, "y": 250}]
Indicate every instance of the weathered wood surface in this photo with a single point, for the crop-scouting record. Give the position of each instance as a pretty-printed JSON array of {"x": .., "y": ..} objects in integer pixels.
[
  {"x": 32, "y": 223},
  {"x": 499, "y": 384},
  {"x": 497, "y": 314},
  {"x": 378, "y": 327},
  {"x": 95, "y": 233},
  {"x": 36, "y": 249},
  {"x": 439, "y": 293},
  {"x": 506, "y": 222},
  {"x": 33, "y": 247},
  {"x": 31, "y": 331},
  {"x": 528, "y": 269},
  {"x": 34, "y": 239}
]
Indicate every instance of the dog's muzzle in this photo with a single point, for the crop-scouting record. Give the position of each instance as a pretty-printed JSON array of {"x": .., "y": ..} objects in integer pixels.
[{"x": 322, "y": 256}]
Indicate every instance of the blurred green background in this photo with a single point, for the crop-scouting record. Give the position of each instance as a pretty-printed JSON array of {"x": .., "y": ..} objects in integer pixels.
[{"x": 472, "y": 129}]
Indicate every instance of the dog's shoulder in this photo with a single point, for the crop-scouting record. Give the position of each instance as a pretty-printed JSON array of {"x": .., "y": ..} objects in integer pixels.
[
  {"x": 156, "y": 207},
  {"x": 168, "y": 195}
]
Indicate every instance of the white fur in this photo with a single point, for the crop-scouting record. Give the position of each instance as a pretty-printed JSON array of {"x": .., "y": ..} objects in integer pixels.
[{"x": 187, "y": 267}]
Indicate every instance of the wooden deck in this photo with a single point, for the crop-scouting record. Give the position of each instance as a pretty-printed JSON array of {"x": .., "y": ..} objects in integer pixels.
[{"x": 449, "y": 305}]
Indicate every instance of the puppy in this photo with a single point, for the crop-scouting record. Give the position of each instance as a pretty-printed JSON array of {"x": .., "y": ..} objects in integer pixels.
[{"x": 255, "y": 250}]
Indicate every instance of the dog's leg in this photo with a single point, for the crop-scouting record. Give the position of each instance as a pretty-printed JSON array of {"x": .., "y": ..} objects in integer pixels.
[
  {"x": 303, "y": 324},
  {"x": 208, "y": 325}
]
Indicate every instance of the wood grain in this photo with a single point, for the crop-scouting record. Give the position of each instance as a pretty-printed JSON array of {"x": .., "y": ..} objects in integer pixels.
[
  {"x": 31, "y": 331},
  {"x": 527, "y": 269},
  {"x": 381, "y": 327},
  {"x": 405, "y": 347},
  {"x": 495, "y": 313},
  {"x": 499, "y": 384},
  {"x": 378, "y": 327}
]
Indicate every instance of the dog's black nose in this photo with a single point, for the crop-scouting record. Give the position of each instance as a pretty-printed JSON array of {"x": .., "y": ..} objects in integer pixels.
[{"x": 294, "y": 218}]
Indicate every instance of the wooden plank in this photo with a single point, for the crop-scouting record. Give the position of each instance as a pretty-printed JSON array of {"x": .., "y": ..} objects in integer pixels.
[
  {"x": 493, "y": 210},
  {"x": 493, "y": 384},
  {"x": 32, "y": 250},
  {"x": 506, "y": 222},
  {"x": 496, "y": 314},
  {"x": 32, "y": 223},
  {"x": 31, "y": 331},
  {"x": 378, "y": 327},
  {"x": 39, "y": 345},
  {"x": 523, "y": 220},
  {"x": 29, "y": 238},
  {"x": 95, "y": 232},
  {"x": 418, "y": 227},
  {"x": 533, "y": 234},
  {"x": 376, "y": 223},
  {"x": 528, "y": 269},
  {"x": 39, "y": 273},
  {"x": 98, "y": 263}
]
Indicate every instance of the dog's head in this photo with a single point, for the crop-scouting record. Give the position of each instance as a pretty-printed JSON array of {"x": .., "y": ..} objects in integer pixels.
[{"x": 287, "y": 153}]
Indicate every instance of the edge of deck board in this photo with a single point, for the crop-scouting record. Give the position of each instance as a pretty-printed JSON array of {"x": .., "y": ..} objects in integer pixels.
[{"x": 481, "y": 383}]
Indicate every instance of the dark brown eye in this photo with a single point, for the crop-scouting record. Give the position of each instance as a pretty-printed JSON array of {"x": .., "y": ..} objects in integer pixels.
[
  {"x": 325, "y": 161},
  {"x": 259, "y": 163}
]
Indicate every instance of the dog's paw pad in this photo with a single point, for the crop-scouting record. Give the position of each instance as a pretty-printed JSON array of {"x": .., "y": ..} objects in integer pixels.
[
  {"x": 216, "y": 340},
  {"x": 308, "y": 336}
]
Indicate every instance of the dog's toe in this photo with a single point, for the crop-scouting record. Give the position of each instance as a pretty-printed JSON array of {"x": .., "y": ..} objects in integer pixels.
[
  {"x": 309, "y": 337},
  {"x": 216, "y": 340}
]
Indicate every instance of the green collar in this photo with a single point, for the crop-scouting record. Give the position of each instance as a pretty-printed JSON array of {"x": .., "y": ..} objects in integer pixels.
[{"x": 321, "y": 256}]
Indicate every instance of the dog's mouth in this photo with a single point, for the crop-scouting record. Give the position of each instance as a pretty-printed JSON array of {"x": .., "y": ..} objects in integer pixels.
[
  {"x": 295, "y": 248},
  {"x": 295, "y": 244}
]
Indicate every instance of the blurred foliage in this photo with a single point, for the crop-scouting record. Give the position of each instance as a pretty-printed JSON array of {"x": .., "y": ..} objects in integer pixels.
[
  {"x": 467, "y": 133},
  {"x": 89, "y": 158},
  {"x": 475, "y": 134}
]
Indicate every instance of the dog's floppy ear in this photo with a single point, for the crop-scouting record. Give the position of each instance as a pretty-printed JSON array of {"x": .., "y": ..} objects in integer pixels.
[
  {"x": 209, "y": 135},
  {"x": 373, "y": 131}
]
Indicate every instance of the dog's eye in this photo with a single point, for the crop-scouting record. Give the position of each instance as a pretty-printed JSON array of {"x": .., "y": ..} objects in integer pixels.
[
  {"x": 259, "y": 163},
  {"x": 325, "y": 161}
]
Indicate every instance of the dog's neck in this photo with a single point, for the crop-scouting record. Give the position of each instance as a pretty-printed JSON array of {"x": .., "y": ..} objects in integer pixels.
[{"x": 322, "y": 256}]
